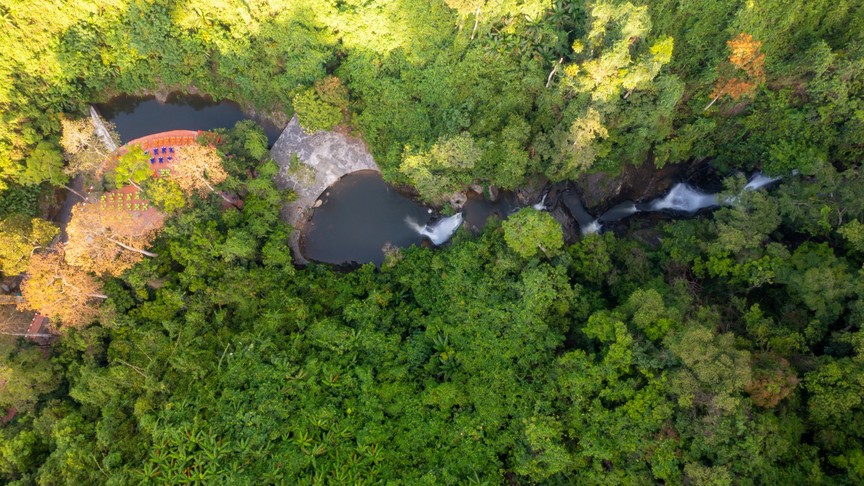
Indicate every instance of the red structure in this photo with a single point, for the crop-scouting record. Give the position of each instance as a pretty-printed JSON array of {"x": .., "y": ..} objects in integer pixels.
[
  {"x": 160, "y": 148},
  {"x": 36, "y": 325}
]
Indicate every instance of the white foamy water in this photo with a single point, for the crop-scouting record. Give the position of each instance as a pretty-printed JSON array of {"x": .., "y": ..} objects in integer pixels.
[
  {"x": 758, "y": 181},
  {"x": 592, "y": 227},
  {"x": 684, "y": 198},
  {"x": 540, "y": 206},
  {"x": 618, "y": 212},
  {"x": 101, "y": 130},
  {"x": 439, "y": 232}
]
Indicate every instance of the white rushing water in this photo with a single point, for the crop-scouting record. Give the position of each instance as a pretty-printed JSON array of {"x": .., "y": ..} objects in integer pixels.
[
  {"x": 541, "y": 206},
  {"x": 758, "y": 181},
  {"x": 592, "y": 227},
  {"x": 101, "y": 130},
  {"x": 618, "y": 212},
  {"x": 684, "y": 198},
  {"x": 439, "y": 232}
]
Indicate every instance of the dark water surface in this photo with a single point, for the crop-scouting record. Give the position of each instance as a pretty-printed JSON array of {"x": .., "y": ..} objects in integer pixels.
[
  {"x": 361, "y": 213},
  {"x": 359, "y": 216},
  {"x": 478, "y": 210},
  {"x": 136, "y": 117}
]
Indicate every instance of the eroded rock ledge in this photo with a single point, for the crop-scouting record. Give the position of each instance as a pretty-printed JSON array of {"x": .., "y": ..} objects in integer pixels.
[{"x": 322, "y": 158}]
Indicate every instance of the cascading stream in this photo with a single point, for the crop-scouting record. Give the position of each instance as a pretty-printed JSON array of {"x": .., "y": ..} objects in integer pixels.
[
  {"x": 681, "y": 198},
  {"x": 684, "y": 198}
]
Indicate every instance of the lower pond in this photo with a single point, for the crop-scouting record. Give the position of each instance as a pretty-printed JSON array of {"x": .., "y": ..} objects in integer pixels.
[
  {"x": 136, "y": 116},
  {"x": 361, "y": 214},
  {"x": 358, "y": 216}
]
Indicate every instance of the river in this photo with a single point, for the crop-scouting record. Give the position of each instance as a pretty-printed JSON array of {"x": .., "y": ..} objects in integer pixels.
[{"x": 359, "y": 215}]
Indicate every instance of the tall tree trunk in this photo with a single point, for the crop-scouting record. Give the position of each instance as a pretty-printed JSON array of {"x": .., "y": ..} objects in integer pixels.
[
  {"x": 135, "y": 185},
  {"x": 73, "y": 191},
  {"x": 476, "y": 22},
  {"x": 67, "y": 284},
  {"x": 24, "y": 334},
  {"x": 713, "y": 101},
  {"x": 122, "y": 245},
  {"x": 213, "y": 189},
  {"x": 543, "y": 250},
  {"x": 554, "y": 68}
]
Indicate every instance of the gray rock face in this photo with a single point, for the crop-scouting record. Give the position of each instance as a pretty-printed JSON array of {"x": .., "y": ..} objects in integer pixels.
[
  {"x": 322, "y": 159},
  {"x": 101, "y": 130}
]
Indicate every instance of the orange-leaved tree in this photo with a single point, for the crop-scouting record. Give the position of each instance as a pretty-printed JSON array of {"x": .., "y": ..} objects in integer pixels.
[
  {"x": 57, "y": 290},
  {"x": 84, "y": 149},
  {"x": 198, "y": 168},
  {"x": 744, "y": 72},
  {"x": 104, "y": 241}
]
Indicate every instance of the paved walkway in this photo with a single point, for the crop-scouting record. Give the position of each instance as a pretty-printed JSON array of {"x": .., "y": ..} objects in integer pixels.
[{"x": 324, "y": 158}]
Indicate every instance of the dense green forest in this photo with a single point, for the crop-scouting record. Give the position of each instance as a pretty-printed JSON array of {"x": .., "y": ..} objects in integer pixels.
[{"x": 722, "y": 349}]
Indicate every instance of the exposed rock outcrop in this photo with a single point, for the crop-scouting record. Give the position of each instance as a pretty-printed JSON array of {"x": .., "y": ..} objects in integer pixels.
[{"x": 322, "y": 158}]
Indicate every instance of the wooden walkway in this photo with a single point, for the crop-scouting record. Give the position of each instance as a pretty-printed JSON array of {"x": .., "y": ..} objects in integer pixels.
[{"x": 11, "y": 299}]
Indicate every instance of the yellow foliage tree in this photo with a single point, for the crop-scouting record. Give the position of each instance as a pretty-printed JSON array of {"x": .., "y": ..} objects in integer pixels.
[
  {"x": 59, "y": 291},
  {"x": 746, "y": 66},
  {"x": 109, "y": 242},
  {"x": 198, "y": 168},
  {"x": 19, "y": 237},
  {"x": 84, "y": 149}
]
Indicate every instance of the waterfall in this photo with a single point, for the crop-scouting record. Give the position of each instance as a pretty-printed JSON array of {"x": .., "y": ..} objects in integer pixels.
[
  {"x": 758, "y": 181},
  {"x": 438, "y": 232},
  {"x": 101, "y": 130},
  {"x": 592, "y": 227},
  {"x": 541, "y": 206},
  {"x": 618, "y": 212},
  {"x": 684, "y": 198}
]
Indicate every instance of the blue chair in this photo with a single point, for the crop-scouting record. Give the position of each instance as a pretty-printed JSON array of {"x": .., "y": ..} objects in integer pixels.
[
  {"x": 160, "y": 160},
  {"x": 164, "y": 150},
  {"x": 169, "y": 158},
  {"x": 152, "y": 160},
  {"x": 171, "y": 149}
]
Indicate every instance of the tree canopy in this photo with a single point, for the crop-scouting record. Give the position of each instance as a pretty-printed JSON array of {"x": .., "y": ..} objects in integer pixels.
[{"x": 723, "y": 348}]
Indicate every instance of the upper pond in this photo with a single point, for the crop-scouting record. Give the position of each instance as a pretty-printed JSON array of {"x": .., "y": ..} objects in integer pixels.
[{"x": 136, "y": 117}]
